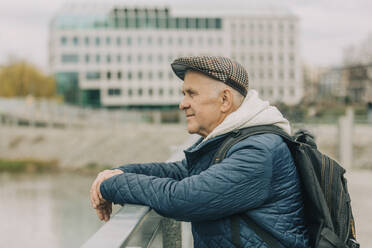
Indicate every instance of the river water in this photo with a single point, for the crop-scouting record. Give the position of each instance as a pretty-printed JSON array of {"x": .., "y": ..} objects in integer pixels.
[{"x": 47, "y": 210}]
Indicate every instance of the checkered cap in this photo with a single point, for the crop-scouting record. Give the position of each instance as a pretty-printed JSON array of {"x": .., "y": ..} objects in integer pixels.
[{"x": 220, "y": 68}]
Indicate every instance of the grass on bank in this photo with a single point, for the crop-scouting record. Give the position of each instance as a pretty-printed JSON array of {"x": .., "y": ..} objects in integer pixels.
[
  {"x": 51, "y": 166},
  {"x": 28, "y": 165}
]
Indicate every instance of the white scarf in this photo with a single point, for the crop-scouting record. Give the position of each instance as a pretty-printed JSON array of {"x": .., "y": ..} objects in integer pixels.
[{"x": 252, "y": 112}]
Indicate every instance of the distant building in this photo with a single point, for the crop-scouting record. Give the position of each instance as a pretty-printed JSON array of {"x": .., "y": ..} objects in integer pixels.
[
  {"x": 359, "y": 86},
  {"x": 331, "y": 84},
  {"x": 120, "y": 56},
  {"x": 353, "y": 82}
]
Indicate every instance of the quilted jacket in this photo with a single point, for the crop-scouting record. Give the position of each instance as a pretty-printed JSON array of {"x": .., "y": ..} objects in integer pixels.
[{"x": 257, "y": 178}]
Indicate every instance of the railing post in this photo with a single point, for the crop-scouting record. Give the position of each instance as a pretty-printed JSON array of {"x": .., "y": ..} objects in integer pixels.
[
  {"x": 172, "y": 237},
  {"x": 345, "y": 135}
]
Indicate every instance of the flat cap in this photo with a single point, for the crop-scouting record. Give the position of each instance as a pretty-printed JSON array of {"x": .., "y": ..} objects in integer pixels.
[{"x": 220, "y": 68}]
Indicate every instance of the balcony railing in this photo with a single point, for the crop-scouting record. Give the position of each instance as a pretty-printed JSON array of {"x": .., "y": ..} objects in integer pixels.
[{"x": 135, "y": 226}]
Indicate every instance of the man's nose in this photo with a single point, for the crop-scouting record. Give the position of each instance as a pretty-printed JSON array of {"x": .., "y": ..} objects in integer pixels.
[{"x": 183, "y": 104}]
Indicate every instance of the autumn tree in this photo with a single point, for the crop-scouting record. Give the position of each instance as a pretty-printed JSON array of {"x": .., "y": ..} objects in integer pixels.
[{"x": 20, "y": 79}]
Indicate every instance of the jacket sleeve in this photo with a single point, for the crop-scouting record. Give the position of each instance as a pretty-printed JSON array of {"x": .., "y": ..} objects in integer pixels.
[
  {"x": 175, "y": 170},
  {"x": 240, "y": 182}
]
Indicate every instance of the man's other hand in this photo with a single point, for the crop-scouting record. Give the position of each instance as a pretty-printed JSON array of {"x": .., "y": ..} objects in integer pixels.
[
  {"x": 96, "y": 199},
  {"x": 104, "y": 211}
]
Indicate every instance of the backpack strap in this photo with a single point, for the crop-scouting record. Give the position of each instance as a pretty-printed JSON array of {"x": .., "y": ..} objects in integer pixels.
[
  {"x": 241, "y": 134},
  {"x": 235, "y": 137}
]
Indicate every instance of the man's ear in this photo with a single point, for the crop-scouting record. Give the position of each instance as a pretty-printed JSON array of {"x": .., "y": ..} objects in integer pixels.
[{"x": 227, "y": 101}]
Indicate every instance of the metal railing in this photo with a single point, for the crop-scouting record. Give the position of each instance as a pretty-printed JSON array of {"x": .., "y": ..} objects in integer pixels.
[
  {"x": 135, "y": 226},
  {"x": 132, "y": 226}
]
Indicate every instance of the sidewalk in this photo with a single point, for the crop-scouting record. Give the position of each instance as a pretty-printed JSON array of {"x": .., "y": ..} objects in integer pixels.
[{"x": 360, "y": 188}]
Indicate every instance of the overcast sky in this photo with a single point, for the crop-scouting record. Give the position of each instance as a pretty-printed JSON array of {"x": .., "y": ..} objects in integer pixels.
[{"x": 327, "y": 26}]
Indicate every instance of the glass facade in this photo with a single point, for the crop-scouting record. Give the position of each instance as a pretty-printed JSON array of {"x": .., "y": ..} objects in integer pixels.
[
  {"x": 69, "y": 58},
  {"x": 127, "y": 18}
]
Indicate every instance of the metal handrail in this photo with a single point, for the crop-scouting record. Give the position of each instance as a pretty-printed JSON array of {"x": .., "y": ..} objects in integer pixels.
[{"x": 134, "y": 225}]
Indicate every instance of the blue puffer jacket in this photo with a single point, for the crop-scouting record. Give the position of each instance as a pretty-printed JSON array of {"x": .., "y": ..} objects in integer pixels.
[{"x": 257, "y": 177}]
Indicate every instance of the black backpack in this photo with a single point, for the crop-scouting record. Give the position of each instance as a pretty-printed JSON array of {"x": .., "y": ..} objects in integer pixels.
[{"x": 327, "y": 202}]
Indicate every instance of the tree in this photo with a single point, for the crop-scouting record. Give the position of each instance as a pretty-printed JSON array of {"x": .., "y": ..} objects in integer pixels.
[{"x": 22, "y": 79}]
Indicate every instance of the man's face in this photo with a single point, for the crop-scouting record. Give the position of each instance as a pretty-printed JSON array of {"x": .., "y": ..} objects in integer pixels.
[{"x": 200, "y": 103}]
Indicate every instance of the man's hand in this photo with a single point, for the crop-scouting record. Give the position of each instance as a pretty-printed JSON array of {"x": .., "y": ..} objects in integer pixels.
[
  {"x": 104, "y": 211},
  {"x": 103, "y": 207}
]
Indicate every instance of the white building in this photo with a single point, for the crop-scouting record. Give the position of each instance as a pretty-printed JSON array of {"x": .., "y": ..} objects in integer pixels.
[{"x": 119, "y": 56}]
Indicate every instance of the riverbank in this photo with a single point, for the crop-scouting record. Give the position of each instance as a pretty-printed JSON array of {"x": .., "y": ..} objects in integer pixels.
[{"x": 92, "y": 149}]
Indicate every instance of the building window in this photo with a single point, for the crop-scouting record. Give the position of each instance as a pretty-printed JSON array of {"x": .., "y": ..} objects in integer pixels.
[
  {"x": 170, "y": 40},
  {"x": 129, "y": 59},
  {"x": 170, "y": 75},
  {"x": 280, "y": 58},
  {"x": 108, "y": 40},
  {"x": 281, "y": 28},
  {"x": 270, "y": 58},
  {"x": 130, "y": 92},
  {"x": 270, "y": 74},
  {"x": 270, "y": 91},
  {"x": 139, "y": 58},
  {"x": 161, "y": 92},
  {"x": 98, "y": 58},
  {"x": 63, "y": 40},
  {"x": 160, "y": 40},
  {"x": 118, "y": 58},
  {"x": 149, "y": 40},
  {"x": 252, "y": 59},
  {"x": 160, "y": 58},
  {"x": 108, "y": 75},
  {"x": 149, "y": 58},
  {"x": 262, "y": 91},
  {"x": 114, "y": 92},
  {"x": 98, "y": 41},
  {"x": 281, "y": 91},
  {"x": 75, "y": 41},
  {"x": 218, "y": 23},
  {"x": 139, "y": 40},
  {"x": 86, "y": 40},
  {"x": 139, "y": 75},
  {"x": 129, "y": 41},
  {"x": 251, "y": 26},
  {"x": 171, "y": 92},
  {"x": 87, "y": 58},
  {"x": 260, "y": 27},
  {"x": 149, "y": 75},
  {"x": 261, "y": 58},
  {"x": 119, "y": 75},
  {"x": 180, "y": 41},
  {"x": 150, "y": 92},
  {"x": 118, "y": 41},
  {"x": 291, "y": 74},
  {"x": 129, "y": 75},
  {"x": 92, "y": 75},
  {"x": 140, "y": 91},
  {"x": 292, "y": 91},
  {"x": 69, "y": 58},
  {"x": 108, "y": 58},
  {"x": 160, "y": 75}
]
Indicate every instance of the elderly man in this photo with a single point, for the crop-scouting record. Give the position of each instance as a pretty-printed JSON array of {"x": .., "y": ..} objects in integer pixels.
[{"x": 257, "y": 178}]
